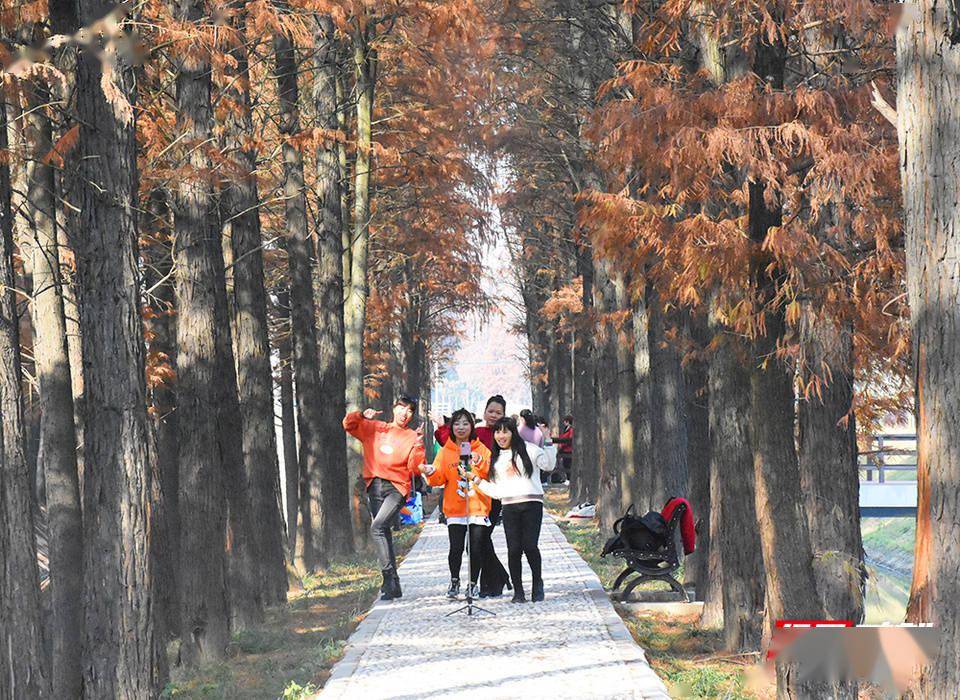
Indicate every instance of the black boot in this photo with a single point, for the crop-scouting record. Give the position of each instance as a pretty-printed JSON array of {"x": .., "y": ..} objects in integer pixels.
[
  {"x": 391, "y": 584},
  {"x": 537, "y": 594},
  {"x": 518, "y": 596},
  {"x": 395, "y": 585},
  {"x": 454, "y": 589}
]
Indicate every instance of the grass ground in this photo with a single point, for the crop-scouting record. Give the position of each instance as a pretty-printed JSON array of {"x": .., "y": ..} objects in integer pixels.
[
  {"x": 292, "y": 653},
  {"x": 889, "y": 544},
  {"x": 690, "y": 660}
]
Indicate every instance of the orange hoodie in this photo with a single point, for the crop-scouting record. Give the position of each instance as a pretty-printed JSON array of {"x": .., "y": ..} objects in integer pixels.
[
  {"x": 389, "y": 452},
  {"x": 446, "y": 475}
]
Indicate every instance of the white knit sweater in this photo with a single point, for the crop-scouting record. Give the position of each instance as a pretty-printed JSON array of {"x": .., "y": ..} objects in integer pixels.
[{"x": 512, "y": 485}]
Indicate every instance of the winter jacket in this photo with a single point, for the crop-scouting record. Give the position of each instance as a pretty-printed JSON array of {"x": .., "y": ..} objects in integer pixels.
[
  {"x": 687, "y": 527},
  {"x": 389, "y": 452},
  {"x": 511, "y": 484},
  {"x": 446, "y": 463}
]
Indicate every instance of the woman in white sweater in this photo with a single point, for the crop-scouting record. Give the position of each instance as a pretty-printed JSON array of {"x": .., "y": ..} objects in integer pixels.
[{"x": 514, "y": 478}]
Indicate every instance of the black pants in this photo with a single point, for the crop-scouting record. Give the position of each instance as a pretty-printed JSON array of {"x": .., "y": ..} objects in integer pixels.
[
  {"x": 458, "y": 537},
  {"x": 385, "y": 503},
  {"x": 521, "y": 525}
]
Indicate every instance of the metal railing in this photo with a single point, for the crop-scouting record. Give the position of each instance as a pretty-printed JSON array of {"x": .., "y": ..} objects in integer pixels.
[{"x": 892, "y": 453}]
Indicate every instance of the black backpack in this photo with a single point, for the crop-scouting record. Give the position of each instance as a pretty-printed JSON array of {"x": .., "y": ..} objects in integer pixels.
[{"x": 646, "y": 533}]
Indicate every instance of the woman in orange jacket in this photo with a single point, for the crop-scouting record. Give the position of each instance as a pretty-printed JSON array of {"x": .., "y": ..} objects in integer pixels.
[
  {"x": 465, "y": 511},
  {"x": 392, "y": 455}
]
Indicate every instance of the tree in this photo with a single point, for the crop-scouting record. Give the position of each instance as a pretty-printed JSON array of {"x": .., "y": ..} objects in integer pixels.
[
  {"x": 28, "y": 675},
  {"x": 338, "y": 530},
  {"x": 926, "y": 115},
  {"x": 309, "y": 393},
  {"x": 240, "y": 202},
  {"x": 122, "y": 655},
  {"x": 204, "y": 602},
  {"x": 39, "y": 249}
]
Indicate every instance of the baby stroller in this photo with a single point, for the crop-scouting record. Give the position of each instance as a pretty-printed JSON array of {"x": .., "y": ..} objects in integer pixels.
[{"x": 648, "y": 545}]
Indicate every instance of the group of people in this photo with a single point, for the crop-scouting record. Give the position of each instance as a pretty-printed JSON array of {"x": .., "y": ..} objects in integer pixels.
[{"x": 489, "y": 472}]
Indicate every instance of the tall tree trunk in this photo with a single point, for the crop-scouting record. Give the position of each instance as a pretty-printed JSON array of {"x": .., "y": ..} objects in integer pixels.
[
  {"x": 240, "y": 202},
  {"x": 204, "y": 606},
  {"x": 608, "y": 452},
  {"x": 712, "y": 615},
  {"x": 309, "y": 394},
  {"x": 928, "y": 85},
  {"x": 585, "y": 464},
  {"x": 63, "y": 20},
  {"x": 346, "y": 231},
  {"x": 642, "y": 420},
  {"x": 57, "y": 453},
  {"x": 365, "y": 62},
  {"x": 829, "y": 474},
  {"x": 668, "y": 423},
  {"x": 696, "y": 566},
  {"x": 338, "y": 530},
  {"x": 785, "y": 538},
  {"x": 733, "y": 510},
  {"x": 162, "y": 347},
  {"x": 554, "y": 352},
  {"x": 288, "y": 425},
  {"x": 25, "y": 671},
  {"x": 122, "y": 654},
  {"x": 626, "y": 396}
]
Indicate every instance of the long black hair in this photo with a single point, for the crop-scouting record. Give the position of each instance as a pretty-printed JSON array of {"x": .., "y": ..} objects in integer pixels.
[
  {"x": 517, "y": 447},
  {"x": 463, "y": 413}
]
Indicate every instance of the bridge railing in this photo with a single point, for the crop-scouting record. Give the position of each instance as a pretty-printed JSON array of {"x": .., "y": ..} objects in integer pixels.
[{"x": 890, "y": 455}]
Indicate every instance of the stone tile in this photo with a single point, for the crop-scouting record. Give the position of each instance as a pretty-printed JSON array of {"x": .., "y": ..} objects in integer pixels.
[{"x": 572, "y": 645}]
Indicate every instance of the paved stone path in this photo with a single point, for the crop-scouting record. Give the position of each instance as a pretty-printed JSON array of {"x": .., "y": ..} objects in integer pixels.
[{"x": 572, "y": 645}]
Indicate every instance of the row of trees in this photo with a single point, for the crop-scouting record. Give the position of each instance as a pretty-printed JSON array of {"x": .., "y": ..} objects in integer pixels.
[
  {"x": 206, "y": 206},
  {"x": 710, "y": 227}
]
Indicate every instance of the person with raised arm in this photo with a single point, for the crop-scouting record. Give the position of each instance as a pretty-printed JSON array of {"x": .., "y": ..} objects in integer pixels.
[
  {"x": 468, "y": 513},
  {"x": 392, "y": 455}
]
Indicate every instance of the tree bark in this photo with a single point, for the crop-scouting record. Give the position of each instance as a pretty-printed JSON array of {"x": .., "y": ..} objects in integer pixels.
[
  {"x": 122, "y": 655},
  {"x": 364, "y": 62},
  {"x": 608, "y": 452},
  {"x": 829, "y": 474},
  {"x": 696, "y": 566},
  {"x": 288, "y": 425},
  {"x": 162, "y": 346},
  {"x": 25, "y": 668},
  {"x": 733, "y": 511},
  {"x": 928, "y": 86},
  {"x": 626, "y": 396},
  {"x": 585, "y": 464},
  {"x": 57, "y": 453},
  {"x": 240, "y": 202},
  {"x": 204, "y": 605},
  {"x": 338, "y": 530},
  {"x": 643, "y": 435},
  {"x": 668, "y": 424},
  {"x": 785, "y": 538},
  {"x": 309, "y": 394}
]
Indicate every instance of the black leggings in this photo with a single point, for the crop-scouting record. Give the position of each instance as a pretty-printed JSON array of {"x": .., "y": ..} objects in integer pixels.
[
  {"x": 458, "y": 536},
  {"x": 521, "y": 525}
]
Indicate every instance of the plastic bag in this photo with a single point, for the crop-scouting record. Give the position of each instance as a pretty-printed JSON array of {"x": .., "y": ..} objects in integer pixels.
[
  {"x": 412, "y": 511},
  {"x": 585, "y": 511}
]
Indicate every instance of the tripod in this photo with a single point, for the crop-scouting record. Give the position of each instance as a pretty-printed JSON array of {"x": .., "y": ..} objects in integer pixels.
[{"x": 469, "y": 608}]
